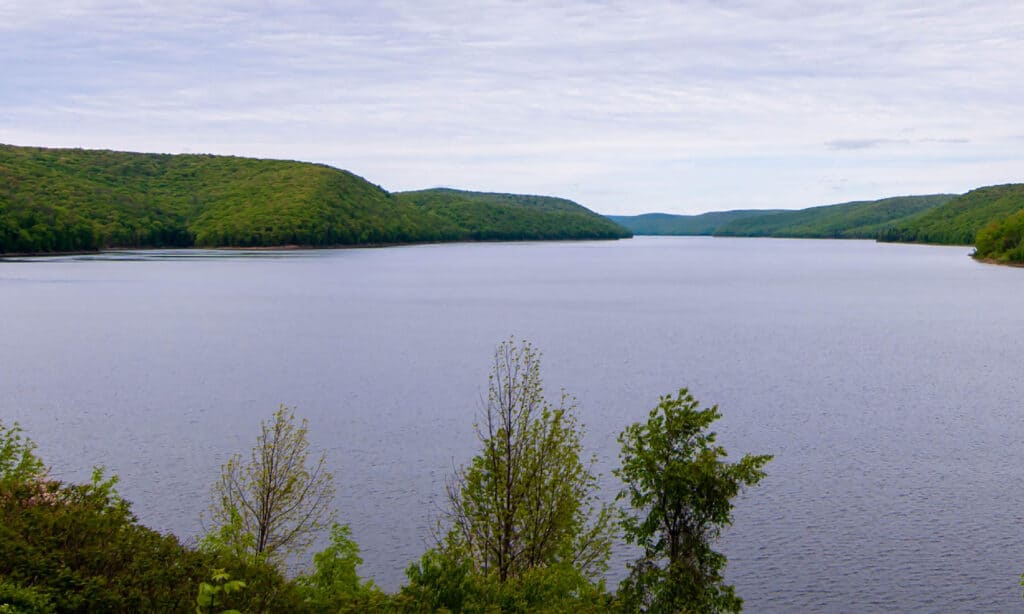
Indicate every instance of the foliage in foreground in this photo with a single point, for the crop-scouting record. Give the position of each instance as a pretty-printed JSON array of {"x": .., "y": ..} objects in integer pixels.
[
  {"x": 213, "y": 596},
  {"x": 271, "y": 507},
  {"x": 444, "y": 580},
  {"x": 526, "y": 529},
  {"x": 526, "y": 532},
  {"x": 78, "y": 548},
  {"x": 680, "y": 490},
  {"x": 527, "y": 500},
  {"x": 334, "y": 584}
]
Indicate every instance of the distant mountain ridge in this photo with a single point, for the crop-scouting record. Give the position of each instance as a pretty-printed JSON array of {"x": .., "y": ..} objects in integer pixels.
[
  {"x": 671, "y": 224},
  {"x": 485, "y": 216},
  {"x": 991, "y": 218},
  {"x": 852, "y": 220},
  {"x": 55, "y": 200}
]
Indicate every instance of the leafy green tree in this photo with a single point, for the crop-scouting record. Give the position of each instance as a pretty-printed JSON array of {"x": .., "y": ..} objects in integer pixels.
[
  {"x": 443, "y": 580},
  {"x": 334, "y": 584},
  {"x": 18, "y": 461},
  {"x": 527, "y": 500},
  {"x": 272, "y": 507},
  {"x": 525, "y": 504},
  {"x": 681, "y": 493},
  {"x": 15, "y": 598},
  {"x": 78, "y": 548},
  {"x": 212, "y": 596}
]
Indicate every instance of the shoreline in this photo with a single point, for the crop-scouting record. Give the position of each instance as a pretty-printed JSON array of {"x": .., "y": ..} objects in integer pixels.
[
  {"x": 993, "y": 261},
  {"x": 290, "y": 247}
]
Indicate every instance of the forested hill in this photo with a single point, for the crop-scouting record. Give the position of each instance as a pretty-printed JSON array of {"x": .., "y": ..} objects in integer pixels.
[
  {"x": 853, "y": 220},
  {"x": 79, "y": 200},
  {"x": 491, "y": 216},
  {"x": 671, "y": 224},
  {"x": 958, "y": 221},
  {"x": 992, "y": 218}
]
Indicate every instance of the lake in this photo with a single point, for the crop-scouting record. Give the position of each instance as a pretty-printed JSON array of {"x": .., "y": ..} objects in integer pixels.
[{"x": 886, "y": 380}]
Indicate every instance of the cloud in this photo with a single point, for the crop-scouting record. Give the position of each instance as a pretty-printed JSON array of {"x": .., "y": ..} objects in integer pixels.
[
  {"x": 853, "y": 144},
  {"x": 869, "y": 143},
  {"x": 582, "y": 99}
]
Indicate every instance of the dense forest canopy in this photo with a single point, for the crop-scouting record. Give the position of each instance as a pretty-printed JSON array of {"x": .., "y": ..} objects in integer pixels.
[
  {"x": 81, "y": 200},
  {"x": 1002, "y": 240},
  {"x": 958, "y": 221},
  {"x": 853, "y": 220},
  {"x": 483, "y": 216}
]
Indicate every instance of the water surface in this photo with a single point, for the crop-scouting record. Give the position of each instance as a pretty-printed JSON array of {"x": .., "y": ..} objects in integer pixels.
[{"x": 885, "y": 379}]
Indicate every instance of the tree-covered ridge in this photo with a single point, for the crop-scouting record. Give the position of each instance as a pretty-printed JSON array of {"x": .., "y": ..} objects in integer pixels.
[
  {"x": 853, "y": 220},
  {"x": 958, "y": 221},
  {"x": 991, "y": 217},
  {"x": 481, "y": 216},
  {"x": 1002, "y": 240},
  {"x": 80, "y": 200},
  {"x": 684, "y": 225},
  {"x": 543, "y": 203}
]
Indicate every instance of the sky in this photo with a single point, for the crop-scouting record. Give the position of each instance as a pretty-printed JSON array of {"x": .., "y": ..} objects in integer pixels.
[{"x": 625, "y": 107}]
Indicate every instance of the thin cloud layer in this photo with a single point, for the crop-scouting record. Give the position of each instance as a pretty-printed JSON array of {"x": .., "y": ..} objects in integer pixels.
[{"x": 626, "y": 107}]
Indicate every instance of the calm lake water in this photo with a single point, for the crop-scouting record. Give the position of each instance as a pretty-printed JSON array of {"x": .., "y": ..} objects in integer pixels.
[{"x": 886, "y": 380}]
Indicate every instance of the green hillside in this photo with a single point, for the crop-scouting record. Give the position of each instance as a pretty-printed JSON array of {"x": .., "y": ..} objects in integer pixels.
[
  {"x": 670, "y": 224},
  {"x": 958, "y": 221},
  {"x": 482, "y": 216},
  {"x": 853, "y": 220},
  {"x": 79, "y": 200},
  {"x": 1002, "y": 240}
]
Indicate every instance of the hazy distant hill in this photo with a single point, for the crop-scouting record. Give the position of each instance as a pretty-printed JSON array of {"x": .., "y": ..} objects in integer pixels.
[
  {"x": 853, "y": 220},
  {"x": 671, "y": 224},
  {"x": 992, "y": 218},
  {"x": 74, "y": 199},
  {"x": 491, "y": 216},
  {"x": 959, "y": 220}
]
